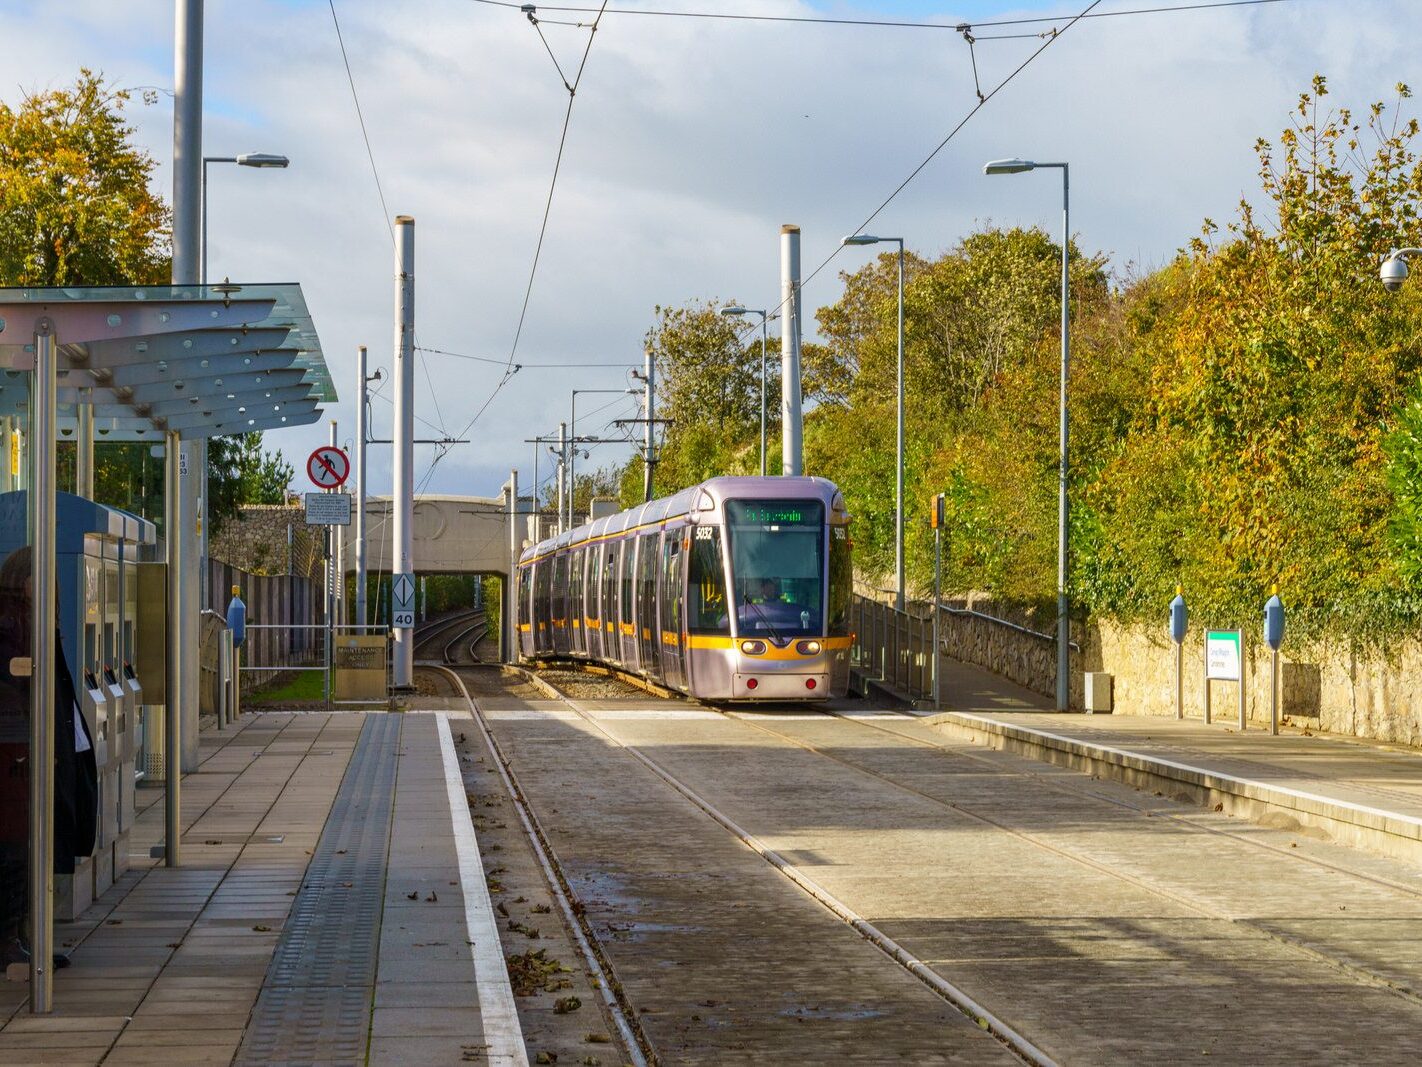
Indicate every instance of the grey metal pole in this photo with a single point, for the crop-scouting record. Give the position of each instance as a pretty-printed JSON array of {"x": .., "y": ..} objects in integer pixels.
[
  {"x": 537, "y": 508},
  {"x": 1063, "y": 607},
  {"x": 84, "y": 451},
  {"x": 362, "y": 432},
  {"x": 333, "y": 535},
  {"x": 403, "y": 654},
  {"x": 762, "y": 393},
  {"x": 572, "y": 458},
  {"x": 649, "y": 369},
  {"x": 1274, "y": 691},
  {"x": 562, "y": 480},
  {"x": 899, "y": 454},
  {"x": 184, "y": 579},
  {"x": 1180, "y": 679},
  {"x": 175, "y": 517},
  {"x": 791, "y": 449},
  {"x": 44, "y": 667},
  {"x": 1241, "y": 682},
  {"x": 937, "y": 599},
  {"x": 511, "y": 582}
]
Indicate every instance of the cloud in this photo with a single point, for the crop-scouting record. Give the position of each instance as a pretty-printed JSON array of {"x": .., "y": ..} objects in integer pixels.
[{"x": 691, "y": 142}]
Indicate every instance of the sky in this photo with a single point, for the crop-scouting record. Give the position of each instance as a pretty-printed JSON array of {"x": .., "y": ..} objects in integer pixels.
[{"x": 691, "y": 142}]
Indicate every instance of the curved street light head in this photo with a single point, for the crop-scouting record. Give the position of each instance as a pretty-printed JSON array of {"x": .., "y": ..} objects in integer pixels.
[
  {"x": 861, "y": 239},
  {"x": 1393, "y": 272},
  {"x": 734, "y": 309},
  {"x": 1008, "y": 166},
  {"x": 262, "y": 159}
]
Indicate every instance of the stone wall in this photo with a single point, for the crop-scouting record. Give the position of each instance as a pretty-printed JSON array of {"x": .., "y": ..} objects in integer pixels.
[
  {"x": 256, "y": 540},
  {"x": 1371, "y": 694}
]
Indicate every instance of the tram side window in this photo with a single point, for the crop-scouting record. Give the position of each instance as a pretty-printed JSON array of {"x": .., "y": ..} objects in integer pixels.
[
  {"x": 624, "y": 556},
  {"x": 609, "y": 584},
  {"x": 706, "y": 584},
  {"x": 575, "y": 585},
  {"x": 841, "y": 581},
  {"x": 671, "y": 595},
  {"x": 647, "y": 579},
  {"x": 525, "y": 587}
]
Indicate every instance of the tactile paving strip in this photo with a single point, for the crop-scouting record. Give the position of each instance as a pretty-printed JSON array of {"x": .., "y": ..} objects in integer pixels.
[{"x": 316, "y": 1001}]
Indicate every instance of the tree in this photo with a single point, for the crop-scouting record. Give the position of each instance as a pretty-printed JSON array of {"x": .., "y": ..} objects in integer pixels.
[
  {"x": 241, "y": 472},
  {"x": 75, "y": 202}
]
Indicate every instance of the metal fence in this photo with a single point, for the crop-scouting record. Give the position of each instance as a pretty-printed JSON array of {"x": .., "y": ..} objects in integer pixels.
[
  {"x": 317, "y": 644},
  {"x": 894, "y": 647}
]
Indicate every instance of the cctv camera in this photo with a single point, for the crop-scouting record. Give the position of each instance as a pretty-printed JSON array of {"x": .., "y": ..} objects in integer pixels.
[{"x": 1393, "y": 273}]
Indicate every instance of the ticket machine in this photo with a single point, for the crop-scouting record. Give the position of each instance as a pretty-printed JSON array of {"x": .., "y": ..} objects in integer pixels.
[{"x": 96, "y": 622}]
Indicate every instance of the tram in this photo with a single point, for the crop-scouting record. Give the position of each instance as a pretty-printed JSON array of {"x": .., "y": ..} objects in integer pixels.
[{"x": 736, "y": 589}]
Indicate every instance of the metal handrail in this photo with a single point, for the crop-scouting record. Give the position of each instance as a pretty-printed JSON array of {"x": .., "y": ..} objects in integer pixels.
[{"x": 974, "y": 613}]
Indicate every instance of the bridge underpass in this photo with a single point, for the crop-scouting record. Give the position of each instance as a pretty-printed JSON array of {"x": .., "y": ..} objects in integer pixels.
[{"x": 452, "y": 535}]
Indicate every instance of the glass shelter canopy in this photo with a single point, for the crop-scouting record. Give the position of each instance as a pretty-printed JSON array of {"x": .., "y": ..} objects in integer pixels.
[{"x": 199, "y": 360}]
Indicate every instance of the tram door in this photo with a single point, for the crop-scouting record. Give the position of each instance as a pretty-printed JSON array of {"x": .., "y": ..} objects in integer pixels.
[
  {"x": 669, "y": 610},
  {"x": 647, "y": 637}
]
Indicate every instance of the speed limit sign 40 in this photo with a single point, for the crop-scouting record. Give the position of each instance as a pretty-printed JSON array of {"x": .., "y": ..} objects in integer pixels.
[{"x": 328, "y": 467}]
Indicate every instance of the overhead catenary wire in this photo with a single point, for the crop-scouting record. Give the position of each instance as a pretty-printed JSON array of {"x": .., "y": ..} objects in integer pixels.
[
  {"x": 521, "y": 366},
  {"x": 553, "y": 183},
  {"x": 825, "y": 20},
  {"x": 360, "y": 115}
]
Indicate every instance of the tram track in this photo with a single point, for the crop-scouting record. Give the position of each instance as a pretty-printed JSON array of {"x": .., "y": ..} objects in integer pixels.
[
  {"x": 1374, "y": 887},
  {"x": 1186, "y": 900},
  {"x": 635, "y": 1043},
  {"x": 1015, "y": 1042}
]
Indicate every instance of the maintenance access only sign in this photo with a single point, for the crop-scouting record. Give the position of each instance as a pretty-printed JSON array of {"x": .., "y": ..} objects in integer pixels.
[
  {"x": 402, "y": 601},
  {"x": 328, "y": 509}
]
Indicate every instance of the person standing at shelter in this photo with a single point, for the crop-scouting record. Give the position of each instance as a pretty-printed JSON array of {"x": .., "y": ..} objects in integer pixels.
[{"x": 76, "y": 777}]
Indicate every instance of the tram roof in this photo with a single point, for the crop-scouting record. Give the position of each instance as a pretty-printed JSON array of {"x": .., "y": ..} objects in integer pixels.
[{"x": 202, "y": 360}]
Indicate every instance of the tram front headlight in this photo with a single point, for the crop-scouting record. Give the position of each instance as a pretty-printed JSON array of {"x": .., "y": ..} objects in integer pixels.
[
  {"x": 808, "y": 648},
  {"x": 753, "y": 648}
]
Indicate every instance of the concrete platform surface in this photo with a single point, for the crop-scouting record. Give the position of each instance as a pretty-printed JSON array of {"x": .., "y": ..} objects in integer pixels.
[
  {"x": 1357, "y": 792},
  {"x": 170, "y": 963}
]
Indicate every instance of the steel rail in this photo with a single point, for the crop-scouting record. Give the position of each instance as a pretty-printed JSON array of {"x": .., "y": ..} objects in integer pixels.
[
  {"x": 638, "y": 1047},
  {"x": 1356, "y": 971}
]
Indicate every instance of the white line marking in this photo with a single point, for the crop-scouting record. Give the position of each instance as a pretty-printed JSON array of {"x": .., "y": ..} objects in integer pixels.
[{"x": 497, "y": 1012}]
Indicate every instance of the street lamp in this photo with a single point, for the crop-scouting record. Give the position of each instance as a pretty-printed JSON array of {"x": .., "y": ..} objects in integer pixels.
[
  {"x": 1393, "y": 271},
  {"x": 572, "y": 437},
  {"x": 733, "y": 311},
  {"x": 866, "y": 239},
  {"x": 247, "y": 159},
  {"x": 1017, "y": 166}
]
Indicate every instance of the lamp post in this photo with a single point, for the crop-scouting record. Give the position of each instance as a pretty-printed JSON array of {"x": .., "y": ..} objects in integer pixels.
[
  {"x": 735, "y": 310},
  {"x": 866, "y": 239},
  {"x": 573, "y": 436},
  {"x": 247, "y": 159},
  {"x": 1017, "y": 166}
]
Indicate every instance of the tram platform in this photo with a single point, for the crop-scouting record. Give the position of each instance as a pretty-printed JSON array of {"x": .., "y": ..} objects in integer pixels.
[
  {"x": 1348, "y": 790},
  {"x": 330, "y": 906}
]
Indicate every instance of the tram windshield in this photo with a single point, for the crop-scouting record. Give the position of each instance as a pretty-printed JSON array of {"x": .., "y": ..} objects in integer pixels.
[{"x": 777, "y": 566}]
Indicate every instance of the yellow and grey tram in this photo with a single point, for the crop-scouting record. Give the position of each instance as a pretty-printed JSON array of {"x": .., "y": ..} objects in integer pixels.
[{"x": 734, "y": 589}]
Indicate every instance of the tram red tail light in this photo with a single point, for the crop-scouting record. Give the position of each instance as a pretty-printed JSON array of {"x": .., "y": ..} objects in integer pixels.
[
  {"x": 809, "y": 683},
  {"x": 751, "y": 683}
]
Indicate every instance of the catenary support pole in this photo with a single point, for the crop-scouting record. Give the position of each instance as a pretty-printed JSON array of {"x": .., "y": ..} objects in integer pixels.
[
  {"x": 333, "y": 536},
  {"x": 185, "y": 579},
  {"x": 511, "y": 582},
  {"x": 791, "y": 451},
  {"x": 362, "y": 431},
  {"x": 403, "y": 657},
  {"x": 899, "y": 591},
  {"x": 649, "y": 371},
  {"x": 562, "y": 481},
  {"x": 937, "y": 600},
  {"x": 44, "y": 663}
]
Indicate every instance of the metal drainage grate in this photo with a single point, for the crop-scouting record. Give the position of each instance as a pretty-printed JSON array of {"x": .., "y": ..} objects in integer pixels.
[{"x": 315, "y": 1003}]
